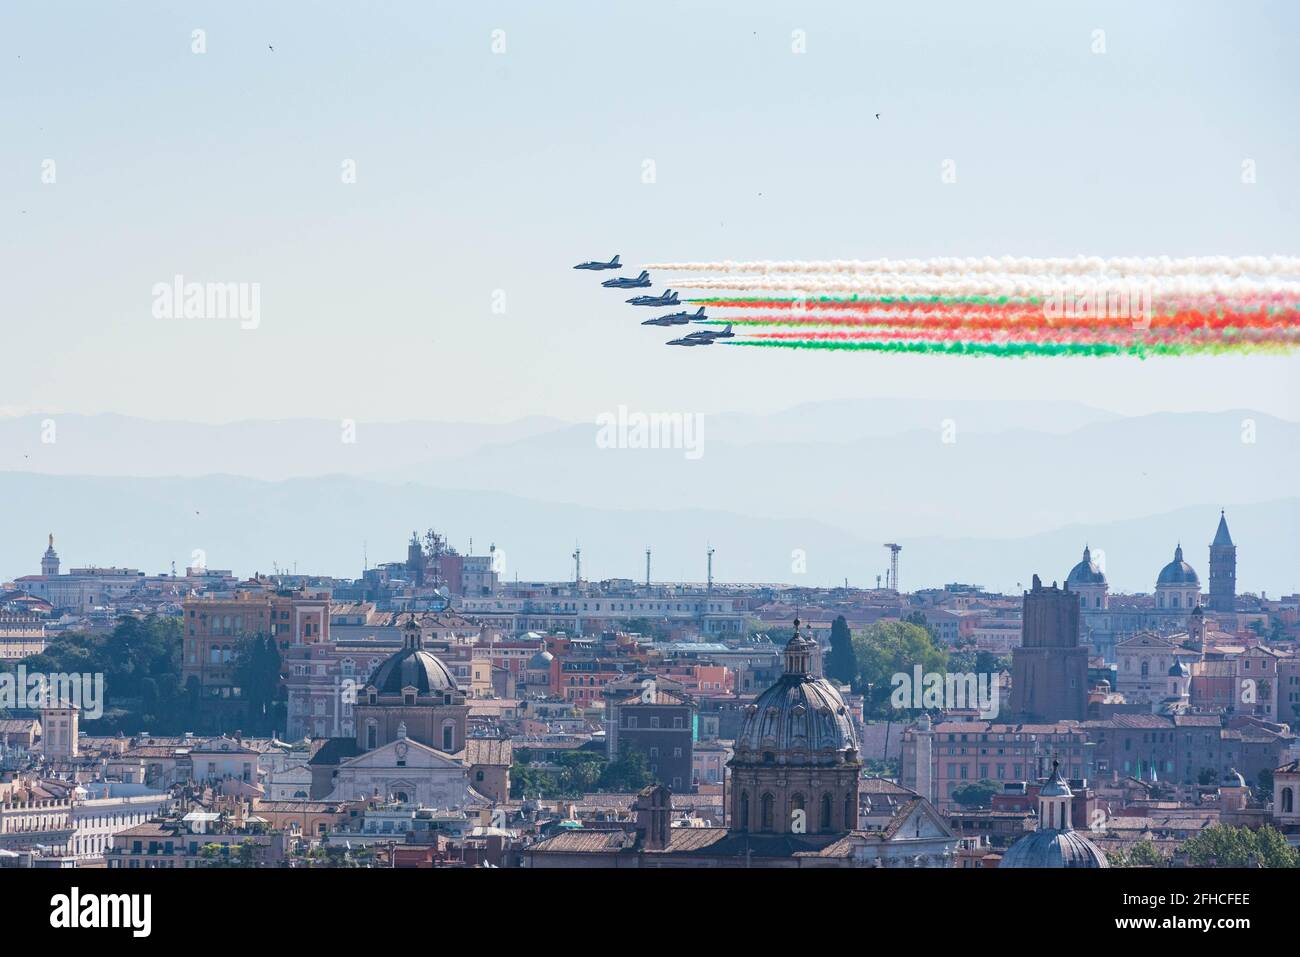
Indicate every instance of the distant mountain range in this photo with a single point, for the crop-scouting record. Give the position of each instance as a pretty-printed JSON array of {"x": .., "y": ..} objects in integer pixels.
[
  {"x": 327, "y": 524},
  {"x": 983, "y": 492}
]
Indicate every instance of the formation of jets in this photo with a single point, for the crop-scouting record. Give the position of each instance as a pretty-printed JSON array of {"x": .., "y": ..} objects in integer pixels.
[{"x": 668, "y": 297}]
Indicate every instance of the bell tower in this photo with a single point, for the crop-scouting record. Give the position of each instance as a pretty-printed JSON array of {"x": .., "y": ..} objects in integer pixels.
[
  {"x": 1223, "y": 569},
  {"x": 50, "y": 560}
]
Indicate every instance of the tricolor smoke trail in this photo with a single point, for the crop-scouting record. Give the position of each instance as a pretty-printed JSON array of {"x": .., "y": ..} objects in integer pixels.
[{"x": 1008, "y": 306}]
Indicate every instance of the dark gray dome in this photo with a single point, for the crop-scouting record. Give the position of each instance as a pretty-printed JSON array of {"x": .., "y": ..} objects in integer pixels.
[
  {"x": 799, "y": 720},
  {"x": 1233, "y": 779},
  {"x": 540, "y": 661},
  {"x": 1178, "y": 572},
  {"x": 1049, "y": 848},
  {"x": 1178, "y": 669},
  {"x": 413, "y": 668},
  {"x": 1086, "y": 572}
]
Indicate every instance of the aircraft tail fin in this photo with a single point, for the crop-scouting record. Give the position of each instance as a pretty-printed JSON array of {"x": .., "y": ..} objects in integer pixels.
[
  {"x": 726, "y": 330},
  {"x": 700, "y": 312},
  {"x": 614, "y": 261},
  {"x": 644, "y": 275}
]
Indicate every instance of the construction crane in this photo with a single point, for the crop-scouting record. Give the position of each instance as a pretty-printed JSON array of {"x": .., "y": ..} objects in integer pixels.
[{"x": 894, "y": 549}]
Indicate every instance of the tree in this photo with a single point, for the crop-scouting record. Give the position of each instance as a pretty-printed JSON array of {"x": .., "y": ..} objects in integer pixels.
[
  {"x": 1141, "y": 854},
  {"x": 140, "y": 660},
  {"x": 628, "y": 772},
  {"x": 257, "y": 672},
  {"x": 976, "y": 794},
  {"x": 1227, "y": 846},
  {"x": 886, "y": 648},
  {"x": 841, "y": 665}
]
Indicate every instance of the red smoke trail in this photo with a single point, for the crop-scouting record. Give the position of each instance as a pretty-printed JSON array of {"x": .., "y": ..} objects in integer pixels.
[
  {"x": 1125, "y": 336},
  {"x": 1187, "y": 320}
]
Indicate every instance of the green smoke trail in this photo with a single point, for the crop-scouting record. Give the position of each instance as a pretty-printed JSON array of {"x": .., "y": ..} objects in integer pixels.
[{"x": 1025, "y": 349}]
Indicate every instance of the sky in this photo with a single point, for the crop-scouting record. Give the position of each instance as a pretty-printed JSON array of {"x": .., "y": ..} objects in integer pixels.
[{"x": 497, "y": 144}]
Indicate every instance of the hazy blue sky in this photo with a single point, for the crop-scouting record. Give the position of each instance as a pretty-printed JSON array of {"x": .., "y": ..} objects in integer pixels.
[{"x": 480, "y": 171}]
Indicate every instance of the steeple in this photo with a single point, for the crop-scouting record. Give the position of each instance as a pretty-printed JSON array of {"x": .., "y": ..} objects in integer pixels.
[
  {"x": 1223, "y": 569},
  {"x": 1221, "y": 536}
]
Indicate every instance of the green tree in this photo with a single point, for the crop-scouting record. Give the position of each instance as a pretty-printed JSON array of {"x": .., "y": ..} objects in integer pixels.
[
  {"x": 257, "y": 672},
  {"x": 1229, "y": 846},
  {"x": 976, "y": 794},
  {"x": 886, "y": 648},
  {"x": 841, "y": 665},
  {"x": 1141, "y": 854},
  {"x": 628, "y": 772}
]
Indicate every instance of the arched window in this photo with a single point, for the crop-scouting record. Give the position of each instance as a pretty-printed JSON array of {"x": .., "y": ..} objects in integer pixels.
[
  {"x": 1288, "y": 801},
  {"x": 372, "y": 736},
  {"x": 850, "y": 812},
  {"x": 448, "y": 736},
  {"x": 797, "y": 813},
  {"x": 1145, "y": 668},
  {"x": 744, "y": 811},
  {"x": 825, "y": 822},
  {"x": 765, "y": 813}
]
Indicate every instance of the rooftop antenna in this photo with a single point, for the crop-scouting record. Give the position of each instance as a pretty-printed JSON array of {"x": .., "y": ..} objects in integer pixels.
[
  {"x": 647, "y": 566},
  {"x": 577, "y": 564},
  {"x": 710, "y": 580}
]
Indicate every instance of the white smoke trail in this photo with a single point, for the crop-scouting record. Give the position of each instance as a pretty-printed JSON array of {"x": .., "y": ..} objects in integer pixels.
[
  {"x": 1164, "y": 266},
  {"x": 1002, "y": 285}
]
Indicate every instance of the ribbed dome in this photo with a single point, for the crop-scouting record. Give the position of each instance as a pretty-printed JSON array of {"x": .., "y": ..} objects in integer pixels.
[
  {"x": 799, "y": 720},
  {"x": 541, "y": 660},
  {"x": 1178, "y": 669},
  {"x": 1086, "y": 572},
  {"x": 1066, "y": 848},
  {"x": 1178, "y": 572},
  {"x": 413, "y": 668}
]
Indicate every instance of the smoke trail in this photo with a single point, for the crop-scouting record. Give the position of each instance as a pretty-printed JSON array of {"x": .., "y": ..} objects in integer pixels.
[
  {"x": 1163, "y": 266},
  {"x": 1022, "y": 350},
  {"x": 1005, "y": 285}
]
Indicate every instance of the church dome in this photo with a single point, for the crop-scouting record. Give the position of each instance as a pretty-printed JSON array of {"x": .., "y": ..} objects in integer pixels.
[
  {"x": 1233, "y": 779},
  {"x": 1051, "y": 846},
  {"x": 413, "y": 667},
  {"x": 540, "y": 661},
  {"x": 1178, "y": 669},
  {"x": 1054, "y": 849},
  {"x": 1086, "y": 572},
  {"x": 799, "y": 720},
  {"x": 1178, "y": 572}
]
